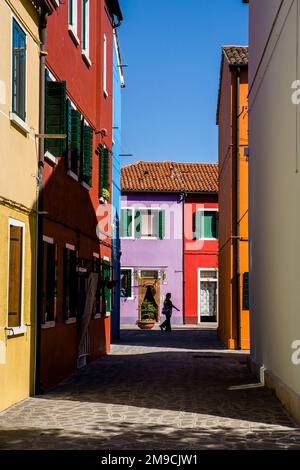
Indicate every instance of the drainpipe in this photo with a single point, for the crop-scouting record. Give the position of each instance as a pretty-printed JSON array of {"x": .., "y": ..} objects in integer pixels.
[
  {"x": 39, "y": 265},
  {"x": 183, "y": 199},
  {"x": 237, "y": 266}
]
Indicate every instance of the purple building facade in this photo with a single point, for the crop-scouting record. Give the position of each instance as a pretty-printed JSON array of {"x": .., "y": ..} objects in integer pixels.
[{"x": 152, "y": 252}]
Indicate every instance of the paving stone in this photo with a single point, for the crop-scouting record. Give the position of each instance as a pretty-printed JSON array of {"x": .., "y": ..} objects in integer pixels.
[{"x": 155, "y": 391}]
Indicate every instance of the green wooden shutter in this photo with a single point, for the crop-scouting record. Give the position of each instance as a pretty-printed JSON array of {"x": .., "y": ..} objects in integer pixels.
[
  {"x": 161, "y": 232},
  {"x": 129, "y": 283},
  {"x": 197, "y": 224},
  {"x": 246, "y": 291},
  {"x": 87, "y": 154},
  {"x": 69, "y": 133},
  {"x": 209, "y": 220},
  {"x": 55, "y": 117},
  {"x": 76, "y": 120},
  {"x": 66, "y": 269},
  {"x": 126, "y": 223},
  {"x": 137, "y": 224},
  {"x": 104, "y": 170},
  {"x": 107, "y": 292}
]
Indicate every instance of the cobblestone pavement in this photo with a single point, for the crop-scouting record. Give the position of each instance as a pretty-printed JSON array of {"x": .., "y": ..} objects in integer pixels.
[{"x": 156, "y": 390}]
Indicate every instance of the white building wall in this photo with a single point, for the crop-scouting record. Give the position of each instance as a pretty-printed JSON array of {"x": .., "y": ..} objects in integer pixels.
[{"x": 274, "y": 199}]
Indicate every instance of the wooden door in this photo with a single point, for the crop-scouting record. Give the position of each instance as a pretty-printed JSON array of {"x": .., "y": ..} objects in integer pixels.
[{"x": 144, "y": 285}]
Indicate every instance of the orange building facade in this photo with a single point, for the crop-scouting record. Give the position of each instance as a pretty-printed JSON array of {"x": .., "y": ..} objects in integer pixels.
[{"x": 232, "y": 119}]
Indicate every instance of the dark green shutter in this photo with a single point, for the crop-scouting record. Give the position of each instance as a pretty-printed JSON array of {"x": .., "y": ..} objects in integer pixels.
[
  {"x": 105, "y": 156},
  {"x": 104, "y": 170},
  {"x": 69, "y": 133},
  {"x": 107, "y": 292},
  {"x": 76, "y": 120},
  {"x": 129, "y": 283},
  {"x": 87, "y": 154},
  {"x": 161, "y": 232},
  {"x": 246, "y": 291},
  {"x": 137, "y": 224},
  {"x": 56, "y": 117},
  {"x": 126, "y": 223},
  {"x": 66, "y": 269}
]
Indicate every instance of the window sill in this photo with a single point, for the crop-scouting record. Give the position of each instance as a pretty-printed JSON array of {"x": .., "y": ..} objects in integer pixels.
[
  {"x": 73, "y": 35},
  {"x": 85, "y": 185},
  {"x": 50, "y": 158},
  {"x": 70, "y": 321},
  {"x": 19, "y": 122},
  {"x": 48, "y": 324},
  {"x": 97, "y": 316},
  {"x": 73, "y": 175},
  {"x": 102, "y": 200},
  {"x": 16, "y": 331},
  {"x": 86, "y": 58}
]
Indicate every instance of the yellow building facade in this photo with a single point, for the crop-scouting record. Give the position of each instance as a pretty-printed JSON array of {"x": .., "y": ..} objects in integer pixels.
[
  {"x": 19, "y": 124},
  {"x": 232, "y": 119}
]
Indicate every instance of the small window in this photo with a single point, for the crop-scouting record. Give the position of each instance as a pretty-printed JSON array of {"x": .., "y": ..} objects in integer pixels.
[
  {"x": 149, "y": 274},
  {"x": 246, "y": 291},
  {"x": 70, "y": 283},
  {"x": 126, "y": 223},
  {"x": 19, "y": 71},
  {"x": 149, "y": 223},
  {"x": 126, "y": 283},
  {"x": 206, "y": 226},
  {"x": 49, "y": 282},
  {"x": 15, "y": 280},
  {"x": 105, "y": 66},
  {"x": 86, "y": 26},
  {"x": 73, "y": 15}
]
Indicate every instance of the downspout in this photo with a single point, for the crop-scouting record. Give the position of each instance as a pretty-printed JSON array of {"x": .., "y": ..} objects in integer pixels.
[
  {"x": 39, "y": 270},
  {"x": 237, "y": 244},
  {"x": 183, "y": 198}
]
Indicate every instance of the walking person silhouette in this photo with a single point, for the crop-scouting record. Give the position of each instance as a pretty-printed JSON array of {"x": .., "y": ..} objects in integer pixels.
[{"x": 167, "y": 311}]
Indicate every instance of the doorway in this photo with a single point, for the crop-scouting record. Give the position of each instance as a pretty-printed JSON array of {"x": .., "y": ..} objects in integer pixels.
[
  {"x": 149, "y": 290},
  {"x": 207, "y": 295}
]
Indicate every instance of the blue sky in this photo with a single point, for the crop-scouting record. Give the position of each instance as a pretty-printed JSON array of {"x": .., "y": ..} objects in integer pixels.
[{"x": 173, "y": 52}]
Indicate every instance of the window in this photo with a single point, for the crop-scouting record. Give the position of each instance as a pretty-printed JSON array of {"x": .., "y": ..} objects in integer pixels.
[
  {"x": 15, "y": 279},
  {"x": 56, "y": 117},
  {"x": 246, "y": 291},
  {"x": 86, "y": 27},
  {"x": 208, "y": 298},
  {"x": 49, "y": 281},
  {"x": 126, "y": 223},
  {"x": 149, "y": 223},
  {"x": 105, "y": 66},
  {"x": 73, "y": 8},
  {"x": 70, "y": 283},
  {"x": 19, "y": 71},
  {"x": 126, "y": 283},
  {"x": 206, "y": 226},
  {"x": 104, "y": 167}
]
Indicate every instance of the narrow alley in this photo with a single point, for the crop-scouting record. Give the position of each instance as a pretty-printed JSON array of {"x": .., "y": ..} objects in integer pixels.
[{"x": 155, "y": 390}]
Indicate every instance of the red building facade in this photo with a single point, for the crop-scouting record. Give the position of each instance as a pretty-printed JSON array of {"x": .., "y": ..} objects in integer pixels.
[
  {"x": 201, "y": 257},
  {"x": 76, "y": 187}
]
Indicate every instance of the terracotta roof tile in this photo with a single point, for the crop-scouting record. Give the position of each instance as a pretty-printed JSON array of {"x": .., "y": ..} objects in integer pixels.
[
  {"x": 170, "y": 176},
  {"x": 236, "y": 55}
]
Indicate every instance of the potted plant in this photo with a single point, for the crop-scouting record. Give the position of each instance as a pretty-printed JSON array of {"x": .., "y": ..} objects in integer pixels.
[
  {"x": 148, "y": 312},
  {"x": 105, "y": 195}
]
